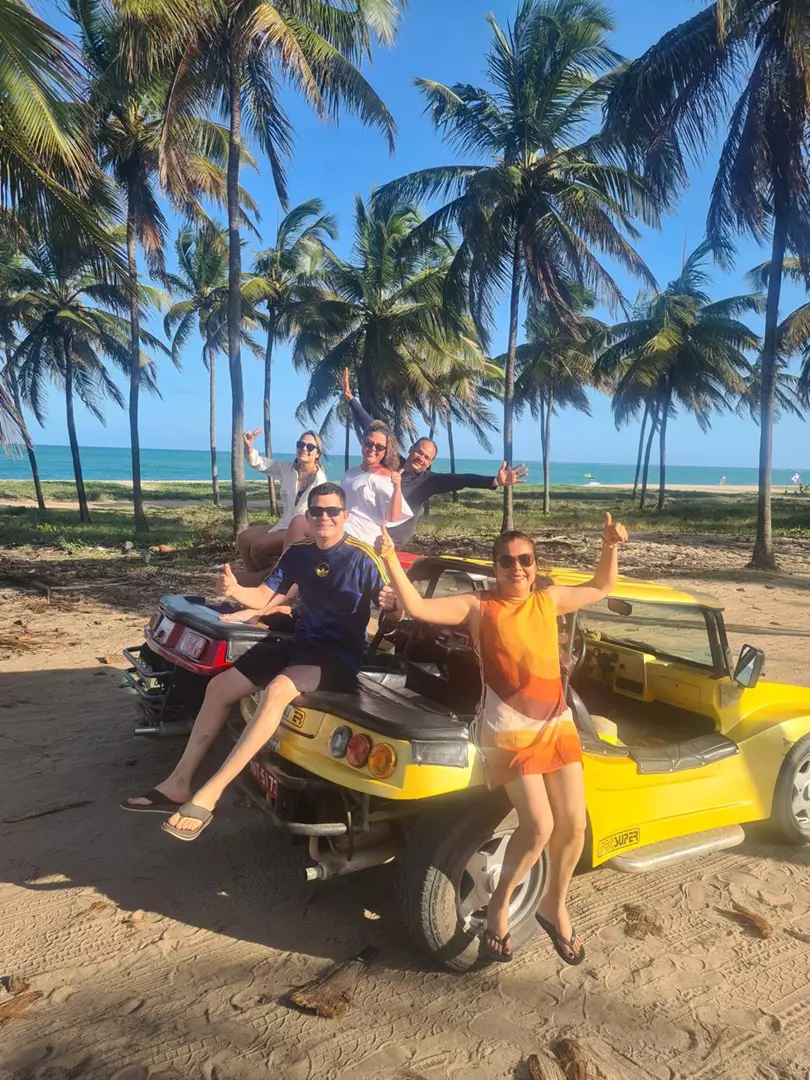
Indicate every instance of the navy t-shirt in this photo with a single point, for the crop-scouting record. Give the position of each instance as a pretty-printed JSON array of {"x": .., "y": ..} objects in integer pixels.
[{"x": 336, "y": 587}]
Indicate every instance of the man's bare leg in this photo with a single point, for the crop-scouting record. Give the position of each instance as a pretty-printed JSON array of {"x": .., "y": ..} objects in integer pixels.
[
  {"x": 222, "y": 693},
  {"x": 566, "y": 796},
  {"x": 535, "y": 822},
  {"x": 266, "y": 719}
]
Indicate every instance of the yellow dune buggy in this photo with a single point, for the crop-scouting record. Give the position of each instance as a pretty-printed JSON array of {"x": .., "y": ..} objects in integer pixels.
[{"x": 682, "y": 745}]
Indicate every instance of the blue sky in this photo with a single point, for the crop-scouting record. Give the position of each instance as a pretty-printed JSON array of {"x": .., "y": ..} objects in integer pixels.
[{"x": 444, "y": 40}]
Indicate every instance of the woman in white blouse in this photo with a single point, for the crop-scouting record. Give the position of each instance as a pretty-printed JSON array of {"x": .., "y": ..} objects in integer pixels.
[
  {"x": 258, "y": 545},
  {"x": 374, "y": 489}
]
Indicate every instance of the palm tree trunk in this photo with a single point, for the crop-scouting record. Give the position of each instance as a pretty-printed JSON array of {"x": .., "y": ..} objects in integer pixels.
[
  {"x": 547, "y": 454},
  {"x": 640, "y": 449},
  {"x": 763, "y": 557},
  {"x": 645, "y": 474},
  {"x": 348, "y": 444},
  {"x": 543, "y": 433},
  {"x": 451, "y": 446},
  {"x": 84, "y": 513},
  {"x": 268, "y": 435},
  {"x": 141, "y": 525},
  {"x": 662, "y": 447},
  {"x": 508, "y": 521},
  {"x": 29, "y": 443},
  {"x": 240, "y": 511},
  {"x": 208, "y": 354}
]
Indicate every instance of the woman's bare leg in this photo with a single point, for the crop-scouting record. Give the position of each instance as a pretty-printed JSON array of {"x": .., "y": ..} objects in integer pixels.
[
  {"x": 566, "y": 796},
  {"x": 246, "y": 540},
  {"x": 535, "y": 823},
  {"x": 298, "y": 529}
]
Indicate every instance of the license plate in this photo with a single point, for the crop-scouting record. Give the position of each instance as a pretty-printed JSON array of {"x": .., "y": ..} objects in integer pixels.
[
  {"x": 266, "y": 781},
  {"x": 192, "y": 644},
  {"x": 164, "y": 629}
]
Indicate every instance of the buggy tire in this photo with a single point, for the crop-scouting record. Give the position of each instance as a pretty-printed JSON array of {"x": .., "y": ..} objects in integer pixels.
[
  {"x": 791, "y": 797},
  {"x": 434, "y": 866}
]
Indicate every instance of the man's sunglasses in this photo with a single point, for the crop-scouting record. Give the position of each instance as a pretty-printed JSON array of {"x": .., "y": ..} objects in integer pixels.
[
  {"x": 301, "y": 445},
  {"x": 377, "y": 447},
  {"x": 325, "y": 511},
  {"x": 506, "y": 562}
]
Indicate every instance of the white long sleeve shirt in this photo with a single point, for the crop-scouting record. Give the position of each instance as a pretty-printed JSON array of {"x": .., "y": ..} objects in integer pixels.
[
  {"x": 293, "y": 502},
  {"x": 368, "y": 500}
]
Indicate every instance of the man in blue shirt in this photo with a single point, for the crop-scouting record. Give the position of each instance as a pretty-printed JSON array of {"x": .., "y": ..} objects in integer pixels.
[{"x": 338, "y": 579}]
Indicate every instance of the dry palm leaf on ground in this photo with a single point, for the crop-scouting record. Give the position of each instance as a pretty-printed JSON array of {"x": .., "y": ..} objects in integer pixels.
[
  {"x": 575, "y": 1063},
  {"x": 330, "y": 994},
  {"x": 544, "y": 1068}
]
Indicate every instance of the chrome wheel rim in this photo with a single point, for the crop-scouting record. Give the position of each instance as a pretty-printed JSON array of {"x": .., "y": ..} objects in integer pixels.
[
  {"x": 800, "y": 794},
  {"x": 479, "y": 879}
]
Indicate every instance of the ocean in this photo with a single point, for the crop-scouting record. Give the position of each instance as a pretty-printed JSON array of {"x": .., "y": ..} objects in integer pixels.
[{"x": 105, "y": 463}]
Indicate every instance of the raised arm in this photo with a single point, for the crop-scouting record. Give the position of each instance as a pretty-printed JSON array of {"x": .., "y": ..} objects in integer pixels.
[
  {"x": 445, "y": 611},
  {"x": 361, "y": 418},
  {"x": 395, "y": 505},
  {"x": 570, "y": 598},
  {"x": 441, "y": 483},
  {"x": 254, "y": 458}
]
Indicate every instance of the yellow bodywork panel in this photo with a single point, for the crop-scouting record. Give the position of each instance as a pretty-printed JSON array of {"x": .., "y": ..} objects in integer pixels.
[{"x": 626, "y": 809}]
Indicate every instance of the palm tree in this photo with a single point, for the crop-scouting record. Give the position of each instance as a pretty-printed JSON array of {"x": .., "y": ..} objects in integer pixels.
[
  {"x": 128, "y": 122},
  {"x": 462, "y": 381},
  {"x": 47, "y": 169},
  {"x": 542, "y": 203},
  {"x": 70, "y": 322},
  {"x": 740, "y": 68},
  {"x": 234, "y": 53},
  {"x": 386, "y": 318},
  {"x": 287, "y": 276},
  {"x": 202, "y": 281},
  {"x": 555, "y": 366},
  {"x": 683, "y": 348},
  {"x": 14, "y": 280}
]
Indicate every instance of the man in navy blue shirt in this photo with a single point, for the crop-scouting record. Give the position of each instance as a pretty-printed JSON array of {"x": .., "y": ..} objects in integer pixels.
[
  {"x": 338, "y": 579},
  {"x": 419, "y": 483}
]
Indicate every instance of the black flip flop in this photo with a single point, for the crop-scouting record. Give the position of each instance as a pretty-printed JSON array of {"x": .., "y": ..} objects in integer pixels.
[
  {"x": 158, "y": 804},
  {"x": 486, "y": 951},
  {"x": 559, "y": 942},
  {"x": 190, "y": 810}
]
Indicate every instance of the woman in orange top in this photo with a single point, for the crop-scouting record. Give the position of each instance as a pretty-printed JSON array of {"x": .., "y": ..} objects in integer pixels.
[{"x": 523, "y": 725}]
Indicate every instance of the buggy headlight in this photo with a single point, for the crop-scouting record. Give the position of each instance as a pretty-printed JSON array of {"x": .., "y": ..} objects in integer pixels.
[{"x": 452, "y": 754}]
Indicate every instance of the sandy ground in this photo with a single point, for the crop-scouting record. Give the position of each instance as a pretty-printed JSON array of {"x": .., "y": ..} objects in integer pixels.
[{"x": 156, "y": 961}]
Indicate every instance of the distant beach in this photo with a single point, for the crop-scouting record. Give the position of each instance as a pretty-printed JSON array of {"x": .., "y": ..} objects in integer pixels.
[{"x": 108, "y": 464}]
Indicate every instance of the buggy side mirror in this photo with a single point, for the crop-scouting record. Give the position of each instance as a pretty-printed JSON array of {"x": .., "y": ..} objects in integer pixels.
[
  {"x": 749, "y": 666},
  {"x": 619, "y": 607}
]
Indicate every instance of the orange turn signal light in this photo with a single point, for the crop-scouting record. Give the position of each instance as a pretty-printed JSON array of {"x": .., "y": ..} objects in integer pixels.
[{"x": 382, "y": 761}]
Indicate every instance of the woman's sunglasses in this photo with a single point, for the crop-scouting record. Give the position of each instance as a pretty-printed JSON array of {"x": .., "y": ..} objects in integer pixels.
[
  {"x": 506, "y": 562},
  {"x": 325, "y": 511},
  {"x": 301, "y": 445},
  {"x": 377, "y": 447}
]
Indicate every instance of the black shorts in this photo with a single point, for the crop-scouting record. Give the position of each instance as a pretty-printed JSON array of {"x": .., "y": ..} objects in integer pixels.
[{"x": 306, "y": 666}]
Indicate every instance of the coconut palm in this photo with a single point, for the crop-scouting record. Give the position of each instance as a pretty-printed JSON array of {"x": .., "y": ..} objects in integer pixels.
[
  {"x": 235, "y": 54},
  {"x": 202, "y": 281},
  {"x": 540, "y": 198},
  {"x": 793, "y": 340},
  {"x": 555, "y": 366},
  {"x": 287, "y": 276},
  {"x": 739, "y": 68},
  {"x": 386, "y": 318},
  {"x": 684, "y": 349},
  {"x": 46, "y": 158},
  {"x": 71, "y": 322},
  {"x": 127, "y": 109},
  {"x": 14, "y": 280},
  {"x": 461, "y": 383}
]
